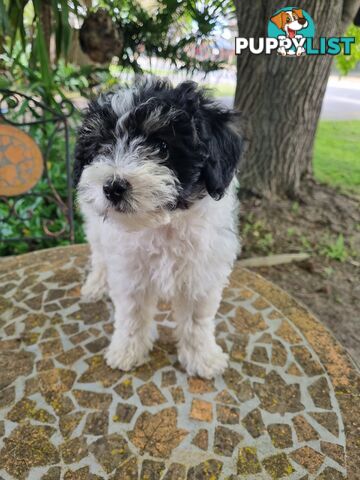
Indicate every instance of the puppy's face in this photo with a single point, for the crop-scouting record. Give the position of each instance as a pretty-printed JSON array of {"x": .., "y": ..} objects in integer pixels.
[
  {"x": 291, "y": 21},
  {"x": 148, "y": 150}
]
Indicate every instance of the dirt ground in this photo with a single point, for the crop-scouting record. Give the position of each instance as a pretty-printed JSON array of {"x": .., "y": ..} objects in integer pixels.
[{"x": 325, "y": 224}]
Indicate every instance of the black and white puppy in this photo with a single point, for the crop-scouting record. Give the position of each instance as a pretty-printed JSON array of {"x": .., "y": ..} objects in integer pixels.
[{"x": 155, "y": 179}]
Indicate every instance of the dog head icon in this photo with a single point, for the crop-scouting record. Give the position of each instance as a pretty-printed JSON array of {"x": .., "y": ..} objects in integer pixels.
[{"x": 290, "y": 21}]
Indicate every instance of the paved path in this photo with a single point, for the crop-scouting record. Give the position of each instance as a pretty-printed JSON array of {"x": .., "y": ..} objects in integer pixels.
[
  {"x": 287, "y": 406},
  {"x": 342, "y": 100}
]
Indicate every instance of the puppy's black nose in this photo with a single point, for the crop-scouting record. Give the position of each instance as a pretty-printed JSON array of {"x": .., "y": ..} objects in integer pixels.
[
  {"x": 302, "y": 21},
  {"x": 114, "y": 189}
]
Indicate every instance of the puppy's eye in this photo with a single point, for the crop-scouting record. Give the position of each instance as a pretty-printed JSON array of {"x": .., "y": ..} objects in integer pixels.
[{"x": 288, "y": 19}]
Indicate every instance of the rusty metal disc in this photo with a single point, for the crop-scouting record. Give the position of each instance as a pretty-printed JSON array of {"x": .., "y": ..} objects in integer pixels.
[{"x": 21, "y": 162}]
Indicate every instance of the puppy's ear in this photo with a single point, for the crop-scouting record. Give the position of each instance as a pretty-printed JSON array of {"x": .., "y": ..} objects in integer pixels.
[
  {"x": 97, "y": 129},
  {"x": 188, "y": 96},
  {"x": 298, "y": 12},
  {"x": 279, "y": 20},
  {"x": 224, "y": 145},
  {"x": 218, "y": 141}
]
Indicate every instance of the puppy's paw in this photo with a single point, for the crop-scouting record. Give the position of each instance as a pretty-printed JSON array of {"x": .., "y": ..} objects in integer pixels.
[
  {"x": 94, "y": 287},
  {"x": 126, "y": 354},
  {"x": 207, "y": 363}
]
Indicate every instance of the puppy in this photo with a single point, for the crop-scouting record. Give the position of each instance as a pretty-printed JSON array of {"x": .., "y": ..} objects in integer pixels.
[
  {"x": 154, "y": 171},
  {"x": 290, "y": 21}
]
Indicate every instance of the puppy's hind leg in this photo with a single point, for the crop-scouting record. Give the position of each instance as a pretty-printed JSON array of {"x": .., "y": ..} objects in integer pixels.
[
  {"x": 198, "y": 351},
  {"x": 96, "y": 284}
]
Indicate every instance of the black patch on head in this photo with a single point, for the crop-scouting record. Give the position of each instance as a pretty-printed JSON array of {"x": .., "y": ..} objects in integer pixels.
[
  {"x": 224, "y": 147},
  {"x": 96, "y": 131},
  {"x": 220, "y": 143},
  {"x": 198, "y": 141}
]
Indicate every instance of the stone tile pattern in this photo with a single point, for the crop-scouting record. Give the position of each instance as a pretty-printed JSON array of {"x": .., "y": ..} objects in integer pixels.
[{"x": 65, "y": 414}]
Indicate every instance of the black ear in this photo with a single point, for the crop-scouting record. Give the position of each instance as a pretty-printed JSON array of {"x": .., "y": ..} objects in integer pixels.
[
  {"x": 189, "y": 96},
  {"x": 97, "y": 130},
  {"x": 224, "y": 144}
]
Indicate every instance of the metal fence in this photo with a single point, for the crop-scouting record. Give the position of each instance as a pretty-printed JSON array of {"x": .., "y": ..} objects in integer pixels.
[{"x": 48, "y": 124}]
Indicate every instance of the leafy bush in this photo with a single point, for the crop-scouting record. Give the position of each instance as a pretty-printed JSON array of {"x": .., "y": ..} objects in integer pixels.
[
  {"x": 167, "y": 29},
  {"x": 347, "y": 63},
  {"x": 37, "y": 209}
]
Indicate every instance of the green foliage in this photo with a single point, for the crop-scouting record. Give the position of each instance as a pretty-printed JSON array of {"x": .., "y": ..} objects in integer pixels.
[
  {"x": 347, "y": 63},
  {"x": 257, "y": 234},
  {"x": 305, "y": 244},
  {"x": 26, "y": 68},
  {"x": 65, "y": 78},
  {"x": 337, "y": 154},
  {"x": 266, "y": 243},
  {"x": 291, "y": 232},
  {"x": 25, "y": 47},
  {"x": 39, "y": 209},
  {"x": 168, "y": 30},
  {"x": 335, "y": 250}
]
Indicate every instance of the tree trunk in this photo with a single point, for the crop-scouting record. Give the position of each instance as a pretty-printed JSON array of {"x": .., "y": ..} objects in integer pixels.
[{"x": 281, "y": 97}]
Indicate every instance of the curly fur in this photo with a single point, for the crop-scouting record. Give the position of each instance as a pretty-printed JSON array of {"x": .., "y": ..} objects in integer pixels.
[{"x": 169, "y": 231}]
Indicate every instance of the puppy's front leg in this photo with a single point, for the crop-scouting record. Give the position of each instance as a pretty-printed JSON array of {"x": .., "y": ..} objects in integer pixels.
[
  {"x": 132, "y": 339},
  {"x": 197, "y": 349},
  {"x": 95, "y": 285}
]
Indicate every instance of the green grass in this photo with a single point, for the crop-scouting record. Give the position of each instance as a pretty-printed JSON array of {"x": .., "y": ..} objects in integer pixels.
[
  {"x": 336, "y": 249},
  {"x": 337, "y": 154},
  {"x": 222, "y": 89}
]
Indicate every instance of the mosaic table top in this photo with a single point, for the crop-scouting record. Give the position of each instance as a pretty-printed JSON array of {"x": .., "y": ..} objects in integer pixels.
[{"x": 288, "y": 406}]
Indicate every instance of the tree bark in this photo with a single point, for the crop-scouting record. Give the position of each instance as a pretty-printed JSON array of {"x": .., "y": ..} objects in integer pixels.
[{"x": 281, "y": 97}]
